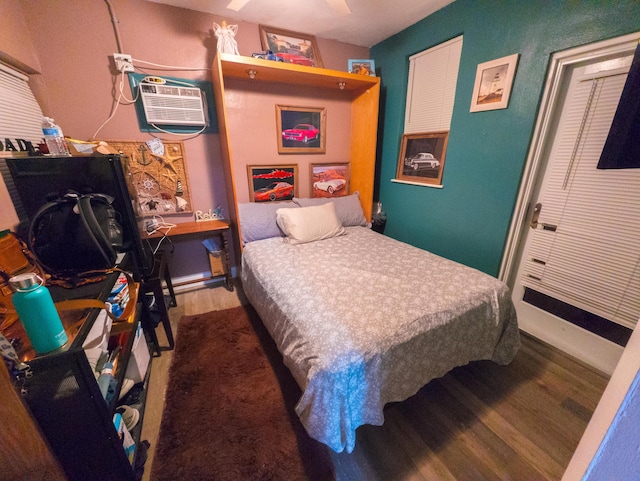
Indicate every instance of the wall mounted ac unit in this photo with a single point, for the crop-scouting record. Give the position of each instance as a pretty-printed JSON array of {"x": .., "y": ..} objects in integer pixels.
[{"x": 164, "y": 104}]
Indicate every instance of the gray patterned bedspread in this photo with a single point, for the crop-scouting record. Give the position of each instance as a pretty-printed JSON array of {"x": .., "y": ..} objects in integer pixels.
[{"x": 363, "y": 320}]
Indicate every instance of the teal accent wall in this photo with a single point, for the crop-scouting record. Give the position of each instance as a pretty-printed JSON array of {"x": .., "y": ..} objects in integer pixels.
[{"x": 468, "y": 219}]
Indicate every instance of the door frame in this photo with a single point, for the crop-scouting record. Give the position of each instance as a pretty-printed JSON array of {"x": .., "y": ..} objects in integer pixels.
[{"x": 532, "y": 176}]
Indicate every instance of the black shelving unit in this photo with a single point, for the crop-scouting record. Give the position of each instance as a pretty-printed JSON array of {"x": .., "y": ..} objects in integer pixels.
[{"x": 63, "y": 396}]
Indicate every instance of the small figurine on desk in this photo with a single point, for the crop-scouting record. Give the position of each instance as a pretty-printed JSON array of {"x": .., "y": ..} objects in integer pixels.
[{"x": 226, "y": 35}]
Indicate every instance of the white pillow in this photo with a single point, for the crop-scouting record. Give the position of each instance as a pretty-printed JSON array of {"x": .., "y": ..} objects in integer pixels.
[{"x": 308, "y": 224}]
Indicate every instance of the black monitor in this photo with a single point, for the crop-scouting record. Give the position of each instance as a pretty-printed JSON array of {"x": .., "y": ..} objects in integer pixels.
[{"x": 38, "y": 180}]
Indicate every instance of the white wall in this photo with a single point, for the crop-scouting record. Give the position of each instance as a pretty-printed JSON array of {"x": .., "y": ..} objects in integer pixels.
[{"x": 607, "y": 429}]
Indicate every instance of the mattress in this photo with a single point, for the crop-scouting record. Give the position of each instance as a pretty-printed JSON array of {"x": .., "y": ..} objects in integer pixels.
[{"x": 362, "y": 320}]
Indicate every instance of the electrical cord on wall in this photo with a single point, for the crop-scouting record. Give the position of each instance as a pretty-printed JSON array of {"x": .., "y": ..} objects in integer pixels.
[
  {"x": 190, "y": 135},
  {"x": 169, "y": 67},
  {"x": 122, "y": 97},
  {"x": 117, "y": 102},
  {"x": 114, "y": 21}
]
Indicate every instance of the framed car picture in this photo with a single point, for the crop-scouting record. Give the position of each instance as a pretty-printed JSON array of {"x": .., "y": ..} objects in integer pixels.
[
  {"x": 422, "y": 157},
  {"x": 272, "y": 183},
  {"x": 292, "y": 47},
  {"x": 329, "y": 180},
  {"x": 300, "y": 129}
]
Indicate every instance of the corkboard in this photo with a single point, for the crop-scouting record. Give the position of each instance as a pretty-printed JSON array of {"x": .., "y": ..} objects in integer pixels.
[{"x": 159, "y": 183}]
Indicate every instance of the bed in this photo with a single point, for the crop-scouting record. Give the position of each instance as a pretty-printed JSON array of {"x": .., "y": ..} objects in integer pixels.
[{"x": 361, "y": 319}]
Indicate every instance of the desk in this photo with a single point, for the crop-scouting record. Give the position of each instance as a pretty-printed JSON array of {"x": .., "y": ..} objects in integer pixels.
[{"x": 203, "y": 228}]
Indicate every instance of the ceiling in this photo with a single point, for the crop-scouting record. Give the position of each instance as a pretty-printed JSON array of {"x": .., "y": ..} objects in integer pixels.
[{"x": 359, "y": 22}]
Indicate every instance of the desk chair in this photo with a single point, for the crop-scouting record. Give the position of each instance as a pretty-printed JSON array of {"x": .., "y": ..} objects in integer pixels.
[{"x": 152, "y": 283}]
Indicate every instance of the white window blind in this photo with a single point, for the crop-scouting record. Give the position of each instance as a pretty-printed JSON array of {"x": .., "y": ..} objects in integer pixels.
[
  {"x": 431, "y": 91},
  {"x": 586, "y": 249},
  {"x": 20, "y": 120}
]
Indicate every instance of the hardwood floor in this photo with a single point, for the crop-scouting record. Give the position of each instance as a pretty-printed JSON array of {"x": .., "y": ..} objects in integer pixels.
[{"x": 520, "y": 422}]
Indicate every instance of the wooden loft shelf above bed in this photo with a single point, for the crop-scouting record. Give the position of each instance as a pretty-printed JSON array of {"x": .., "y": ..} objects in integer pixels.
[
  {"x": 360, "y": 94},
  {"x": 234, "y": 66}
]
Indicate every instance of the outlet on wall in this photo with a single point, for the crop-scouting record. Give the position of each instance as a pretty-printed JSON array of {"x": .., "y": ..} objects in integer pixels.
[{"x": 124, "y": 62}]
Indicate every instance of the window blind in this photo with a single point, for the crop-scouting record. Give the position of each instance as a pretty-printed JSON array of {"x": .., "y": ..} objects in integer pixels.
[
  {"x": 586, "y": 248},
  {"x": 431, "y": 90},
  {"x": 20, "y": 120}
]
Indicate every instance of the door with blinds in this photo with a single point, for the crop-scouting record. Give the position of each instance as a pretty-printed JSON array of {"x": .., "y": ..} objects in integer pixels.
[{"x": 582, "y": 247}]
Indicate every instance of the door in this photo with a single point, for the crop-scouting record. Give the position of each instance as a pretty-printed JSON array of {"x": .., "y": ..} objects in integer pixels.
[{"x": 580, "y": 248}]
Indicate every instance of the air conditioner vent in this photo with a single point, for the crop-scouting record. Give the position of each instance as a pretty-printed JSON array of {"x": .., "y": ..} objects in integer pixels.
[{"x": 165, "y": 104}]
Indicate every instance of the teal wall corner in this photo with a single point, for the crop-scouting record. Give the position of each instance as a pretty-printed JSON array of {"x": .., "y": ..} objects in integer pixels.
[{"x": 468, "y": 219}]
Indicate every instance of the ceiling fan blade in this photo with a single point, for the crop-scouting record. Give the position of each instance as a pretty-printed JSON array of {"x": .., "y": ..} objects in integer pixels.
[
  {"x": 340, "y": 6},
  {"x": 237, "y": 4}
]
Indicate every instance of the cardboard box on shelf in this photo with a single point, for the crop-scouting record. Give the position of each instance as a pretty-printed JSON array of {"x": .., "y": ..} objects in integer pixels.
[
  {"x": 215, "y": 256},
  {"x": 139, "y": 360}
]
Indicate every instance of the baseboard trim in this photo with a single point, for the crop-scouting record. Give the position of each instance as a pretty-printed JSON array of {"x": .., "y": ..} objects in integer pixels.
[
  {"x": 197, "y": 281},
  {"x": 590, "y": 348}
]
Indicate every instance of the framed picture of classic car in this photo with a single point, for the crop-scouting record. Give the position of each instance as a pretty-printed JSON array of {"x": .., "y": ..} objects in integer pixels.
[
  {"x": 272, "y": 183},
  {"x": 422, "y": 157},
  {"x": 329, "y": 180},
  {"x": 300, "y": 130},
  {"x": 291, "y": 47}
]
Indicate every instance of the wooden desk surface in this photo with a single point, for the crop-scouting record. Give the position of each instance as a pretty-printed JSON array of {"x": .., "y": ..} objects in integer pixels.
[
  {"x": 192, "y": 227},
  {"x": 214, "y": 226}
]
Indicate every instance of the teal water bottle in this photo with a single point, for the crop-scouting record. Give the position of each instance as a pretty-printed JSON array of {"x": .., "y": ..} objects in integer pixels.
[{"x": 37, "y": 313}]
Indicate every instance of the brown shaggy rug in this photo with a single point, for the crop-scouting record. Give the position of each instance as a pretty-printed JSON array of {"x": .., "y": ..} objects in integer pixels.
[{"x": 229, "y": 409}]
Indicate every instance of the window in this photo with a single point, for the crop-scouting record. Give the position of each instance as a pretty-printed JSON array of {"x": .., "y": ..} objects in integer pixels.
[
  {"x": 431, "y": 92},
  {"x": 20, "y": 121},
  {"x": 431, "y": 89}
]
